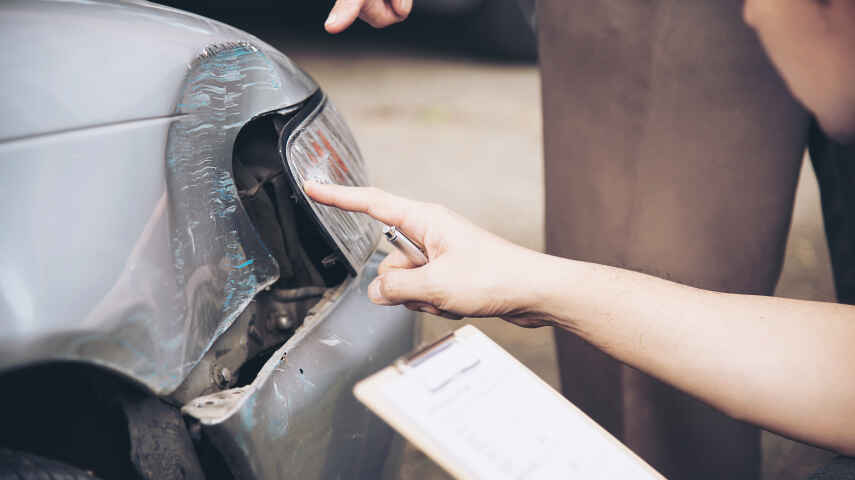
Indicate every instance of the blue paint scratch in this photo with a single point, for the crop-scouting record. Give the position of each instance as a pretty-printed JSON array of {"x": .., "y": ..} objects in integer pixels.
[{"x": 244, "y": 264}]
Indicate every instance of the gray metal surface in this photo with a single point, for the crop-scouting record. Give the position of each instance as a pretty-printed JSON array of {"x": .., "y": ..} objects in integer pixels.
[
  {"x": 124, "y": 243},
  {"x": 84, "y": 63},
  {"x": 301, "y": 409}
]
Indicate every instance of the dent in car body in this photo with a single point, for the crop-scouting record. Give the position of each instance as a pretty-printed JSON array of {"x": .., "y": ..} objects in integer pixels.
[
  {"x": 103, "y": 260},
  {"x": 301, "y": 405},
  {"x": 220, "y": 261}
]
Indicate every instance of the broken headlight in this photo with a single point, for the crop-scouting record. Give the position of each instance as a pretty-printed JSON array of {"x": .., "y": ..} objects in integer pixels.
[{"x": 317, "y": 145}]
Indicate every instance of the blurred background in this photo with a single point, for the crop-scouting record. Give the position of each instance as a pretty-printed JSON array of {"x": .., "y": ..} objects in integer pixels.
[{"x": 446, "y": 108}]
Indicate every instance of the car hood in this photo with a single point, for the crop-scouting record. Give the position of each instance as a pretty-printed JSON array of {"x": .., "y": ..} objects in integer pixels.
[{"x": 81, "y": 64}]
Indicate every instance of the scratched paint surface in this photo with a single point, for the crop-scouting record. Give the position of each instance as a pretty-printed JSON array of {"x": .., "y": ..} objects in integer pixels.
[
  {"x": 220, "y": 263},
  {"x": 301, "y": 404},
  {"x": 156, "y": 256}
]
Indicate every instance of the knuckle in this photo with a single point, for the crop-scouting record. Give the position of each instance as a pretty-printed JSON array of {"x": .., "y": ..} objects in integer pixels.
[
  {"x": 437, "y": 210},
  {"x": 427, "y": 210},
  {"x": 390, "y": 265},
  {"x": 365, "y": 18},
  {"x": 390, "y": 286},
  {"x": 417, "y": 208},
  {"x": 375, "y": 22},
  {"x": 386, "y": 285},
  {"x": 380, "y": 23}
]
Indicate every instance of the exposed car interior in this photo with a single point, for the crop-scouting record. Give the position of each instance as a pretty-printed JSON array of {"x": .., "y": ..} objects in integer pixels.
[
  {"x": 304, "y": 256},
  {"x": 308, "y": 264}
]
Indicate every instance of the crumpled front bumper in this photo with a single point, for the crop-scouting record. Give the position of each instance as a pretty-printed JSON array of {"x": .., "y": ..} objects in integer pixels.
[{"x": 299, "y": 418}]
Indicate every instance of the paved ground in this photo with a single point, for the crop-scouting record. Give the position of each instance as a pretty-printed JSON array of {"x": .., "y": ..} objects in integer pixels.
[{"x": 466, "y": 133}]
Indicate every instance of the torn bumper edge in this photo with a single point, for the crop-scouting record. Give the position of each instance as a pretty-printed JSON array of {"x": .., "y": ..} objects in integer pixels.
[{"x": 299, "y": 417}]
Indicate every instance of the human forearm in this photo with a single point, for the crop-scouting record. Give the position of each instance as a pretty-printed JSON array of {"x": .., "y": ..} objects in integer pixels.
[{"x": 783, "y": 364}]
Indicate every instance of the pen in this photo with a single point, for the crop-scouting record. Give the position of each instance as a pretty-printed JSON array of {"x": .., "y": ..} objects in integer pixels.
[{"x": 405, "y": 245}]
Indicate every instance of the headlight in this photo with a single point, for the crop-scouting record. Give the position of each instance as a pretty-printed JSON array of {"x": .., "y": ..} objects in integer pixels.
[{"x": 319, "y": 147}]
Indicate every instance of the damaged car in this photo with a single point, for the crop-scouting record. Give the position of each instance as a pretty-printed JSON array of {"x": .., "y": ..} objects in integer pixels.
[{"x": 172, "y": 304}]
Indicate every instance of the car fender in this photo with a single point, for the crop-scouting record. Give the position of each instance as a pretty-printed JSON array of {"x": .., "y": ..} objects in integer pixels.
[{"x": 124, "y": 244}]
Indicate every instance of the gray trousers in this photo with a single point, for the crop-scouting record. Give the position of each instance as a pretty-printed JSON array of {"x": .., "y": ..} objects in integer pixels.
[{"x": 672, "y": 147}]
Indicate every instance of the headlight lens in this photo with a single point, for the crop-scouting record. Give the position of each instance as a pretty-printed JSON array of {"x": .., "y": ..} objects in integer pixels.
[{"x": 322, "y": 149}]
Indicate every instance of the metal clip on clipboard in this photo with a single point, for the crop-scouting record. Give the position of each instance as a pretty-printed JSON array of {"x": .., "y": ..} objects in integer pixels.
[{"x": 436, "y": 371}]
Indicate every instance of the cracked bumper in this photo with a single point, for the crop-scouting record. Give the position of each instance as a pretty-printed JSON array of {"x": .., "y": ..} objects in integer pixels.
[{"x": 299, "y": 418}]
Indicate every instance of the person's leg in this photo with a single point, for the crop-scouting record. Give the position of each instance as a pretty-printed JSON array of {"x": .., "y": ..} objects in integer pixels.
[
  {"x": 673, "y": 148},
  {"x": 834, "y": 164}
]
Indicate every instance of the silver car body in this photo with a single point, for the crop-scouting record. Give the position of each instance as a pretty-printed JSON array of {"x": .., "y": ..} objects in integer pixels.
[{"x": 125, "y": 245}]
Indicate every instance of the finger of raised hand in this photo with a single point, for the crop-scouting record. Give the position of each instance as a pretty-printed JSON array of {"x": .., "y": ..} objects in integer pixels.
[
  {"x": 379, "y": 13},
  {"x": 402, "y": 7},
  {"x": 343, "y": 14}
]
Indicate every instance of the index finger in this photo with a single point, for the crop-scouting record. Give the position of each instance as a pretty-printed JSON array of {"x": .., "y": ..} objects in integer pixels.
[
  {"x": 342, "y": 15},
  {"x": 381, "y": 205}
]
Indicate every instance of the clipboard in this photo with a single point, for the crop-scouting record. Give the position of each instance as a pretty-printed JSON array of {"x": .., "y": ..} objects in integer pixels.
[{"x": 481, "y": 414}]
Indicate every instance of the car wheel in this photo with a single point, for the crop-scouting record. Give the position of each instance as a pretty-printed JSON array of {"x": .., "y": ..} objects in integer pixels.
[
  {"x": 501, "y": 28},
  {"x": 24, "y": 466}
]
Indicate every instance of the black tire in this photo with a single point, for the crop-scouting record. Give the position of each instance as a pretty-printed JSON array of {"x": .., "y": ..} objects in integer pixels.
[
  {"x": 499, "y": 27},
  {"x": 24, "y": 466}
]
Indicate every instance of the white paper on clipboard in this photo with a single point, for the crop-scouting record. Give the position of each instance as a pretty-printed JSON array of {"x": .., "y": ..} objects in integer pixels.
[{"x": 481, "y": 414}]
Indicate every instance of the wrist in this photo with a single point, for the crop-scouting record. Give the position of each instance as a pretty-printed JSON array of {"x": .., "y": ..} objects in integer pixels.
[{"x": 544, "y": 296}]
